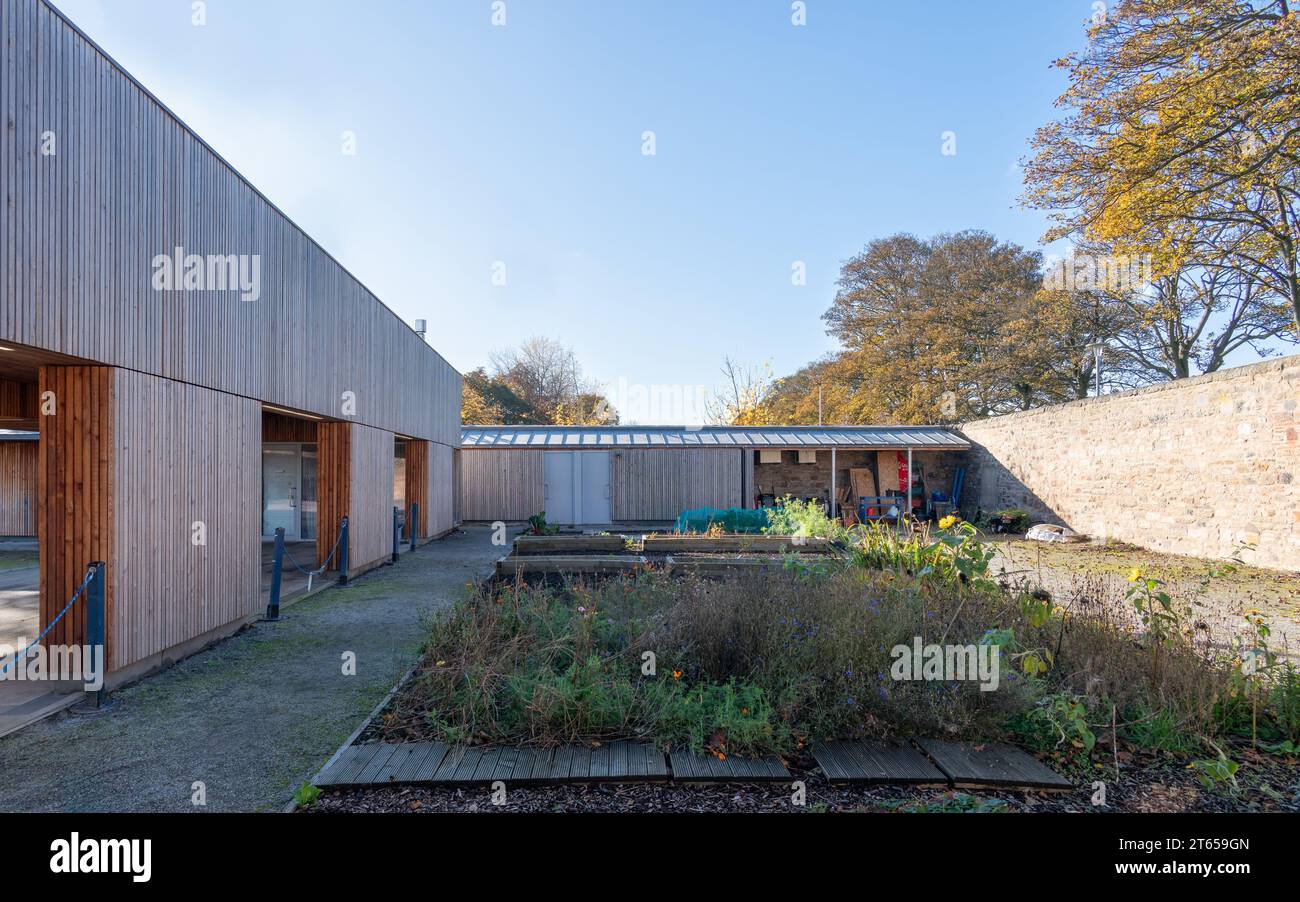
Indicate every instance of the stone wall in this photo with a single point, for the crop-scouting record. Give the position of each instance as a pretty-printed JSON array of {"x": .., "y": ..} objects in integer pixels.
[{"x": 1193, "y": 467}]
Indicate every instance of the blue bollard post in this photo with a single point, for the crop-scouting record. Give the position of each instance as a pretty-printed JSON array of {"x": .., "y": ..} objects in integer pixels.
[
  {"x": 343, "y": 554},
  {"x": 397, "y": 532},
  {"x": 95, "y": 620},
  {"x": 413, "y": 526},
  {"x": 273, "y": 606}
]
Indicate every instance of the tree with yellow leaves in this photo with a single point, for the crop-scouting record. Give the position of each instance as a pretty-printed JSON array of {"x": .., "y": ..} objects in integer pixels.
[{"x": 1181, "y": 139}]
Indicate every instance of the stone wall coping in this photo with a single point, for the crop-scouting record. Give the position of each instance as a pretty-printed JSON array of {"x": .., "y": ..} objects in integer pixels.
[{"x": 1279, "y": 364}]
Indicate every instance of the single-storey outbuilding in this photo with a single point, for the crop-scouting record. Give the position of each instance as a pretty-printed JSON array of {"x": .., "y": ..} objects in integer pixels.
[{"x": 636, "y": 474}]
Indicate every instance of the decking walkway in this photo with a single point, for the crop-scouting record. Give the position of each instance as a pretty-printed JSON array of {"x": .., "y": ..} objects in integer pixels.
[{"x": 923, "y": 762}]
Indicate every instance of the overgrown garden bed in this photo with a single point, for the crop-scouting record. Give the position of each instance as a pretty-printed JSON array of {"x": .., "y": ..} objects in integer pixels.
[{"x": 768, "y": 662}]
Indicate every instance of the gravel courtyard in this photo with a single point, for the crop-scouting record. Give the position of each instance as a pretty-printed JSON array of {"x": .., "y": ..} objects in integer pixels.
[{"x": 252, "y": 717}]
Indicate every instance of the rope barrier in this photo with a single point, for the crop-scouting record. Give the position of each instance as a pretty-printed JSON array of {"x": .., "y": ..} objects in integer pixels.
[
  {"x": 22, "y": 654},
  {"x": 329, "y": 557}
]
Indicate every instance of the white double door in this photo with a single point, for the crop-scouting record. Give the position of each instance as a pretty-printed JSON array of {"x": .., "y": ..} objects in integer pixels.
[{"x": 577, "y": 487}]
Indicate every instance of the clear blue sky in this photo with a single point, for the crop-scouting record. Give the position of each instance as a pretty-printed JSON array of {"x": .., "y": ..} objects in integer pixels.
[{"x": 522, "y": 144}]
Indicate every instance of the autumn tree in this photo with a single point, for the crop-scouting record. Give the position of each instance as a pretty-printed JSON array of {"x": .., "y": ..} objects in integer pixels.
[
  {"x": 1181, "y": 139},
  {"x": 538, "y": 383},
  {"x": 743, "y": 399},
  {"x": 941, "y": 329}
]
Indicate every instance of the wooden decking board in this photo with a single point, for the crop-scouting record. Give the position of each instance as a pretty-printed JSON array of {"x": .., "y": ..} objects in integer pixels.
[
  {"x": 543, "y": 763},
  {"x": 521, "y": 771},
  {"x": 580, "y": 766},
  {"x": 688, "y": 768},
  {"x": 458, "y": 765},
  {"x": 365, "y": 754},
  {"x": 401, "y": 756},
  {"x": 618, "y": 761},
  {"x": 348, "y": 765},
  {"x": 507, "y": 762},
  {"x": 991, "y": 764},
  {"x": 599, "y": 767},
  {"x": 874, "y": 762},
  {"x": 487, "y": 764},
  {"x": 421, "y": 768},
  {"x": 561, "y": 761},
  {"x": 371, "y": 770}
]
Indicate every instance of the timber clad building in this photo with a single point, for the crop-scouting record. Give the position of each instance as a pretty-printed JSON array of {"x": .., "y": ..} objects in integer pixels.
[
  {"x": 649, "y": 474},
  {"x": 174, "y": 406}
]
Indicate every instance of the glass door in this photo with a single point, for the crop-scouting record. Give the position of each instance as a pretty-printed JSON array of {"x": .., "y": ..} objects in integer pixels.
[{"x": 281, "y": 486}]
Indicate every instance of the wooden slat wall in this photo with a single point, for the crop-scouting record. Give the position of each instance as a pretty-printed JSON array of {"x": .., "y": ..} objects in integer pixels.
[
  {"x": 75, "y": 495},
  {"x": 18, "y": 488},
  {"x": 417, "y": 484},
  {"x": 79, "y": 231},
  {"x": 458, "y": 490},
  {"x": 370, "y": 526},
  {"x": 276, "y": 427},
  {"x": 442, "y": 472},
  {"x": 501, "y": 485},
  {"x": 17, "y": 400},
  {"x": 654, "y": 484},
  {"x": 333, "y": 476},
  {"x": 181, "y": 455}
]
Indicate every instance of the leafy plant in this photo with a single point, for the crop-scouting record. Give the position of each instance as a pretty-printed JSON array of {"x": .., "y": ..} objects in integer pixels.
[
  {"x": 306, "y": 794},
  {"x": 537, "y": 525},
  {"x": 1061, "y": 719},
  {"x": 793, "y": 517},
  {"x": 1213, "y": 771}
]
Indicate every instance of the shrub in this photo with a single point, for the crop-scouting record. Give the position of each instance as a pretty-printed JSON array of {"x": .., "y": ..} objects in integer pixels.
[{"x": 792, "y": 517}]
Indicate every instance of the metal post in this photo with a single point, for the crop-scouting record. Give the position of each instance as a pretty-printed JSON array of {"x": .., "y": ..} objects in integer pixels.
[
  {"x": 415, "y": 522},
  {"x": 277, "y": 562},
  {"x": 95, "y": 621},
  {"x": 397, "y": 532},
  {"x": 911, "y": 480},
  {"x": 343, "y": 554},
  {"x": 834, "y": 498}
]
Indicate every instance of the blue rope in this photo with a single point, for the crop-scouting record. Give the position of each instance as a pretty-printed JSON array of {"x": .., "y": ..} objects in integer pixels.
[
  {"x": 22, "y": 654},
  {"x": 328, "y": 558}
]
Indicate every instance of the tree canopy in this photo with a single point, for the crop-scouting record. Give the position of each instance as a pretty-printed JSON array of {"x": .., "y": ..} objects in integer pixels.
[{"x": 538, "y": 383}]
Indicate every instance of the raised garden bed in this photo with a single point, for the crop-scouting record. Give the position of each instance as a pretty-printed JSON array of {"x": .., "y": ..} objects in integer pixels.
[
  {"x": 576, "y": 544},
  {"x": 576, "y": 564},
  {"x": 674, "y": 544}
]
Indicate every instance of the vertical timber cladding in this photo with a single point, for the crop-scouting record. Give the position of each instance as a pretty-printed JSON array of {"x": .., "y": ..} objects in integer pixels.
[
  {"x": 430, "y": 471},
  {"x": 80, "y": 231},
  {"x": 333, "y": 476},
  {"x": 160, "y": 480},
  {"x": 442, "y": 503},
  {"x": 508, "y": 484},
  {"x": 658, "y": 484},
  {"x": 186, "y": 496},
  {"x": 75, "y": 494},
  {"x": 18, "y": 488},
  {"x": 417, "y": 487},
  {"x": 355, "y": 479}
]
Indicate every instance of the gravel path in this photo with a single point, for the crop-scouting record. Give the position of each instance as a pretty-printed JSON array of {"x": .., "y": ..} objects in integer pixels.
[{"x": 254, "y": 716}]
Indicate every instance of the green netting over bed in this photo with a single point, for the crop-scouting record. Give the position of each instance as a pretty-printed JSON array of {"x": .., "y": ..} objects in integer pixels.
[{"x": 731, "y": 519}]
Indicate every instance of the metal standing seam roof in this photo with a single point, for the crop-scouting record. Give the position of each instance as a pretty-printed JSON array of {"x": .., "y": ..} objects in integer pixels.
[{"x": 559, "y": 437}]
